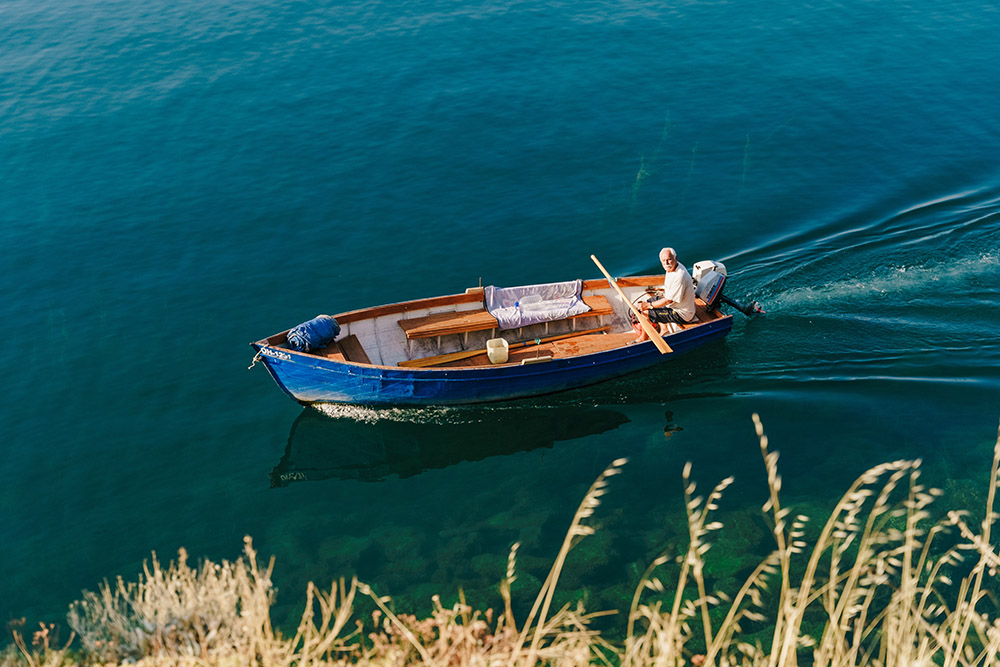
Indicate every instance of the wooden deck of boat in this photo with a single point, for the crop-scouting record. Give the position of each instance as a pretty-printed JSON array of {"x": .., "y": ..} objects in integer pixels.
[
  {"x": 559, "y": 349},
  {"x": 350, "y": 348}
]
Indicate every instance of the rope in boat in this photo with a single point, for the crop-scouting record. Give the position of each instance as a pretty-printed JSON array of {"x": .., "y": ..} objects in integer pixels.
[{"x": 253, "y": 363}]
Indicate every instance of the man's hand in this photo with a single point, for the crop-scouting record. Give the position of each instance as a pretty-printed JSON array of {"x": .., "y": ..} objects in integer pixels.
[{"x": 646, "y": 305}]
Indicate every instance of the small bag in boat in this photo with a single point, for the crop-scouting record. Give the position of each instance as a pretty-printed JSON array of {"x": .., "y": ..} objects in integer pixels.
[{"x": 313, "y": 334}]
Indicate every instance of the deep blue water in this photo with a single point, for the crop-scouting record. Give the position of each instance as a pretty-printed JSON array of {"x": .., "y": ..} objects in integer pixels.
[{"x": 180, "y": 178}]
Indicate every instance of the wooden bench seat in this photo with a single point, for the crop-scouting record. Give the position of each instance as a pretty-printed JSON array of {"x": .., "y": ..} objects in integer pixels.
[
  {"x": 598, "y": 306},
  {"x": 466, "y": 321},
  {"x": 348, "y": 348},
  {"x": 442, "y": 324}
]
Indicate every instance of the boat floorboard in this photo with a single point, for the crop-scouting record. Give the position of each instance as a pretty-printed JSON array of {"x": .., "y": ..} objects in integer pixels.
[
  {"x": 351, "y": 349},
  {"x": 559, "y": 349}
]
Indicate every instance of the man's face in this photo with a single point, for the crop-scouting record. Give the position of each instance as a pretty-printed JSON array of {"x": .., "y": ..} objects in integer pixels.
[{"x": 669, "y": 264}]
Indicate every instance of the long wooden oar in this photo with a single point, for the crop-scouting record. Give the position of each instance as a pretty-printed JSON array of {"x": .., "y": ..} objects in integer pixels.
[
  {"x": 647, "y": 326},
  {"x": 465, "y": 354}
]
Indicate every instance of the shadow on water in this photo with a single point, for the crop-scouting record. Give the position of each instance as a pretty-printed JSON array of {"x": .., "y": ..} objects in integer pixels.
[{"x": 322, "y": 447}]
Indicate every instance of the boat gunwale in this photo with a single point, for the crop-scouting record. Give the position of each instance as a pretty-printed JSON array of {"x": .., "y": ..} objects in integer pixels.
[
  {"x": 693, "y": 338},
  {"x": 471, "y": 295},
  {"x": 325, "y": 363}
]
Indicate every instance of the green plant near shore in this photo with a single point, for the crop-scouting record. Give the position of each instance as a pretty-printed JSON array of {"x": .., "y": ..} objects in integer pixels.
[{"x": 871, "y": 588}]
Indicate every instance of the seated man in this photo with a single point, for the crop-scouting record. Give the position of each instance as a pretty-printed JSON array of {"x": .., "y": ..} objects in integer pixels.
[{"x": 677, "y": 304}]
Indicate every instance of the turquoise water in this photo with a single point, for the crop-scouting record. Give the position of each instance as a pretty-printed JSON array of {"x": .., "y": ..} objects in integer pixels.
[{"x": 178, "y": 179}]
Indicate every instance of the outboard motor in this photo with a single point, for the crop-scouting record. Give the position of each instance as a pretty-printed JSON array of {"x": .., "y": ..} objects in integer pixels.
[{"x": 709, "y": 278}]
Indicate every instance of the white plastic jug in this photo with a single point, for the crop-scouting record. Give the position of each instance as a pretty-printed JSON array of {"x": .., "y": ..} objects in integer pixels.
[{"x": 496, "y": 350}]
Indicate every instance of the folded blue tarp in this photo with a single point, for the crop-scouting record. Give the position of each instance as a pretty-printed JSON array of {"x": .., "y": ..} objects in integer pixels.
[{"x": 313, "y": 334}]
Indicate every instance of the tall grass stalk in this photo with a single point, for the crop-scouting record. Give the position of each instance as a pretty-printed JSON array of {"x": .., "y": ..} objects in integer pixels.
[
  {"x": 578, "y": 529},
  {"x": 874, "y": 585}
]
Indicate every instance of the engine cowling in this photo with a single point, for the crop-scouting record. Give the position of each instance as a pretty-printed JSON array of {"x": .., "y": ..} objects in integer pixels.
[{"x": 709, "y": 278}]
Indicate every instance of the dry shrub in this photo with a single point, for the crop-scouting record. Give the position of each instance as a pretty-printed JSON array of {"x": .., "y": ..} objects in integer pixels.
[
  {"x": 876, "y": 577},
  {"x": 461, "y": 636},
  {"x": 44, "y": 651},
  {"x": 215, "y": 610}
]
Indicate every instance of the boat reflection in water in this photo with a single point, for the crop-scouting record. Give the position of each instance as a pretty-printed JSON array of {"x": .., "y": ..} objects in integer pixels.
[{"x": 321, "y": 447}]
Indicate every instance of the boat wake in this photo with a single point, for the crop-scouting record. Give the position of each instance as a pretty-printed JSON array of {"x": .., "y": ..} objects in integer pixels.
[
  {"x": 891, "y": 293},
  {"x": 949, "y": 278},
  {"x": 442, "y": 415},
  {"x": 369, "y": 415},
  {"x": 876, "y": 233}
]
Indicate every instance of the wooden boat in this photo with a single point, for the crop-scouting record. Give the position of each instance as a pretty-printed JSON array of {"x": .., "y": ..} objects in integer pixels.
[{"x": 433, "y": 351}]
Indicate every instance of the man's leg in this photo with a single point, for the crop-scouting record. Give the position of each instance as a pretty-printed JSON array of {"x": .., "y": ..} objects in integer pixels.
[{"x": 663, "y": 316}]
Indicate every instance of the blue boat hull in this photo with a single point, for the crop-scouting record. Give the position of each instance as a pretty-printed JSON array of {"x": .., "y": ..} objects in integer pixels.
[{"x": 310, "y": 379}]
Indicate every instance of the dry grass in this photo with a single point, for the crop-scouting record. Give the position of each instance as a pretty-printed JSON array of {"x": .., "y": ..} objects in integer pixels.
[{"x": 874, "y": 580}]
